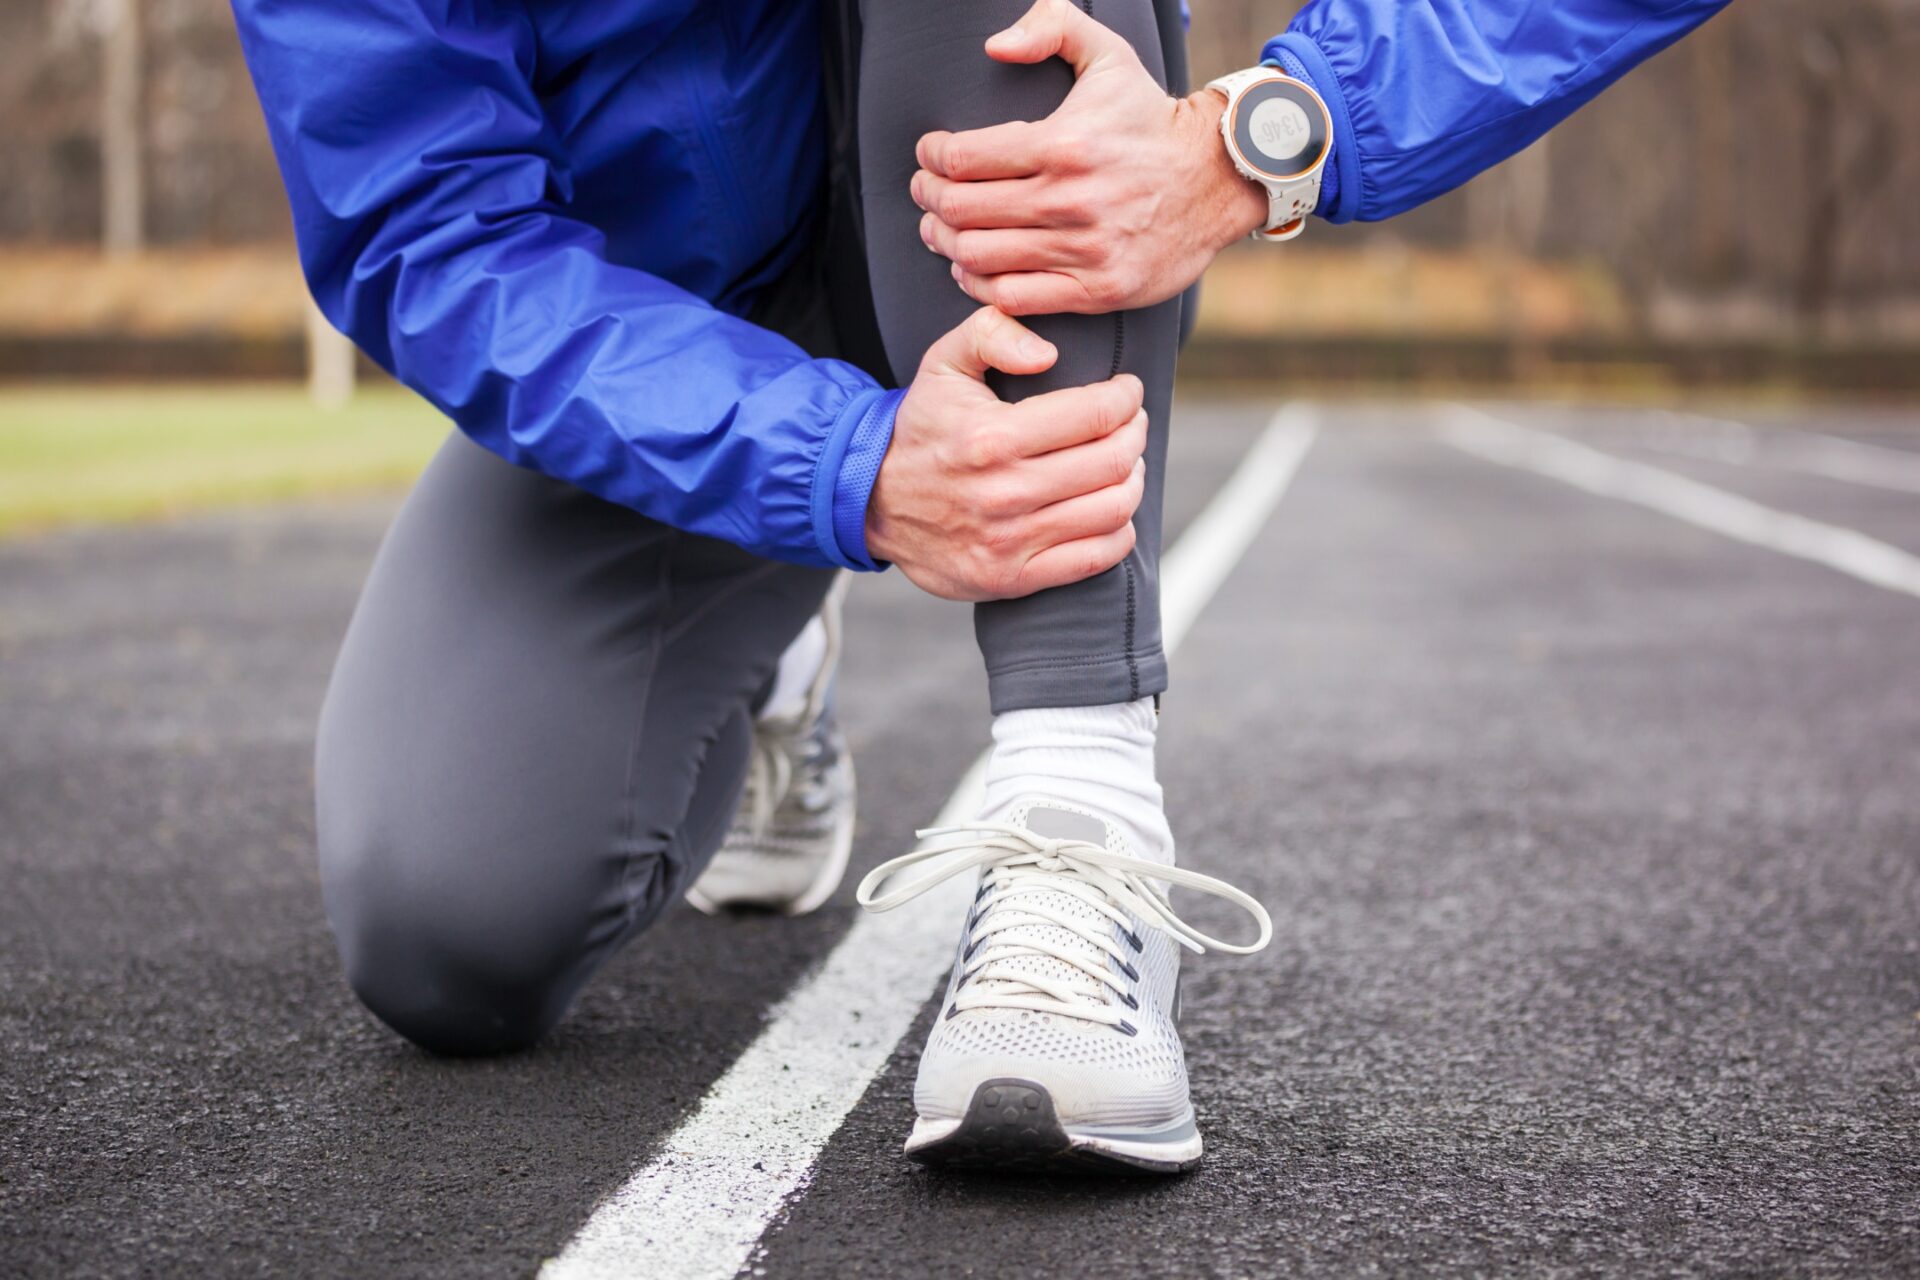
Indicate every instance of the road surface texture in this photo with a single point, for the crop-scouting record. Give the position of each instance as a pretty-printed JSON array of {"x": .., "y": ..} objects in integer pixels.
[{"x": 1591, "y": 835}]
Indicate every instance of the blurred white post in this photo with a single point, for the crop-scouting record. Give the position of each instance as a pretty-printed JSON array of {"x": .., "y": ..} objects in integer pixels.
[
  {"x": 330, "y": 361},
  {"x": 1507, "y": 205},
  {"x": 122, "y": 178},
  {"x": 1507, "y": 211},
  {"x": 1530, "y": 186}
]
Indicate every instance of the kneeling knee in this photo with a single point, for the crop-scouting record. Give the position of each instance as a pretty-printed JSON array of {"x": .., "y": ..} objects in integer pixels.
[{"x": 453, "y": 967}]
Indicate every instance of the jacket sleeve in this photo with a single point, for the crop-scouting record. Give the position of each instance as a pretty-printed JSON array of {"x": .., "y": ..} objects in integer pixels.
[
  {"x": 430, "y": 197},
  {"x": 1427, "y": 93}
]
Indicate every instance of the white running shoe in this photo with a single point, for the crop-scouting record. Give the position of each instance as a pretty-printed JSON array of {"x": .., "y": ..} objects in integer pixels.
[
  {"x": 788, "y": 845},
  {"x": 1055, "y": 1047}
]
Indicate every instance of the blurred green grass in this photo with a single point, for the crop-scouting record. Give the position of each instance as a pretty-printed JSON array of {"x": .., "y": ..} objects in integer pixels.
[{"x": 73, "y": 454}]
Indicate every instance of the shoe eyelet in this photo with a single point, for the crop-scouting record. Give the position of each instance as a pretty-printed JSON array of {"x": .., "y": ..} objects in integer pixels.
[
  {"x": 1133, "y": 940},
  {"x": 1129, "y": 1029},
  {"x": 1130, "y": 1002},
  {"x": 953, "y": 1011},
  {"x": 1133, "y": 974}
]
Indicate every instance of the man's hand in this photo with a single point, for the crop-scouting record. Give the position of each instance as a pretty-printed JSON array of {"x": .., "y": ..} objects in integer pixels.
[
  {"x": 979, "y": 499},
  {"x": 1117, "y": 200}
]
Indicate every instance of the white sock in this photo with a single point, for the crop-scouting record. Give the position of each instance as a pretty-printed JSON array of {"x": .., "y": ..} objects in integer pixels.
[
  {"x": 798, "y": 668},
  {"x": 1100, "y": 758}
]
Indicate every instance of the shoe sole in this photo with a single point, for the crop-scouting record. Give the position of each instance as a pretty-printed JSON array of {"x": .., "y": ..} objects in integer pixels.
[{"x": 1011, "y": 1126}]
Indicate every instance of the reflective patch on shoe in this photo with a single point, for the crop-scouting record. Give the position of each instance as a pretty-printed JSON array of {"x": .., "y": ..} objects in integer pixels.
[{"x": 1064, "y": 824}]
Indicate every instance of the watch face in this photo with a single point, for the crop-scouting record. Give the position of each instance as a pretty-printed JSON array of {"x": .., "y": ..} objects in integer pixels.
[{"x": 1281, "y": 128}]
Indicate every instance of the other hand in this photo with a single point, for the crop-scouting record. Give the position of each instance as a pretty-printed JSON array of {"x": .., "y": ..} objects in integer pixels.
[
  {"x": 1118, "y": 200},
  {"x": 978, "y": 499}
]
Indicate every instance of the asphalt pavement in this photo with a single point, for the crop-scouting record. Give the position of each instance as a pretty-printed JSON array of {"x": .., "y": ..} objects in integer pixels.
[{"x": 1592, "y": 840}]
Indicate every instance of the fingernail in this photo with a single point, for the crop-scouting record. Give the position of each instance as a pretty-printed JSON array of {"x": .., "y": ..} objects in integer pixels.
[
  {"x": 926, "y": 229},
  {"x": 1034, "y": 347}
]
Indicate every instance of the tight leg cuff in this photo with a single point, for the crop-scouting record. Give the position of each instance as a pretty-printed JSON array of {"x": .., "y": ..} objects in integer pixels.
[{"x": 1094, "y": 683}]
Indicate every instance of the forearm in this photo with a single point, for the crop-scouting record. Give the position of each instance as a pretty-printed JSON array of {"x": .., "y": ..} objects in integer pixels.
[
  {"x": 1122, "y": 197},
  {"x": 605, "y": 377},
  {"x": 434, "y": 229},
  {"x": 1425, "y": 94}
]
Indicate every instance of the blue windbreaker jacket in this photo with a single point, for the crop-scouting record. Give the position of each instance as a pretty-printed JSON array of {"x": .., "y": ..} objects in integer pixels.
[{"x": 549, "y": 219}]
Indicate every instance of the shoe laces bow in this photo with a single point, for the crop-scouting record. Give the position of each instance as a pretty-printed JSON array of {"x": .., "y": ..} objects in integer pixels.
[{"x": 1021, "y": 874}]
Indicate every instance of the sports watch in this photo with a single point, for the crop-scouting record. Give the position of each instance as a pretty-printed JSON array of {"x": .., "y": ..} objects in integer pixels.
[{"x": 1278, "y": 133}]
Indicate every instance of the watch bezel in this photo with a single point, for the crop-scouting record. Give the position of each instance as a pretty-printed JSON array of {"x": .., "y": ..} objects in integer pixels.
[{"x": 1319, "y": 125}]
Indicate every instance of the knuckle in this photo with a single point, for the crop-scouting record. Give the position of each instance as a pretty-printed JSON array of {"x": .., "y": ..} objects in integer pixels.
[
  {"x": 996, "y": 445},
  {"x": 1089, "y": 249},
  {"x": 954, "y": 459},
  {"x": 956, "y": 156},
  {"x": 991, "y": 449},
  {"x": 1069, "y": 143},
  {"x": 1000, "y": 538},
  {"x": 990, "y": 503},
  {"x": 992, "y": 573},
  {"x": 1104, "y": 288}
]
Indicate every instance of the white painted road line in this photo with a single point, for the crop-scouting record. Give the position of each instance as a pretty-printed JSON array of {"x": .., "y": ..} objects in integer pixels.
[
  {"x": 1785, "y": 449},
  {"x": 1851, "y": 553},
  {"x": 699, "y": 1206}
]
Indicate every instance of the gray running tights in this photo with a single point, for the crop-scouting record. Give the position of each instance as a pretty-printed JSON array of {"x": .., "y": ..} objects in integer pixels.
[{"x": 538, "y": 726}]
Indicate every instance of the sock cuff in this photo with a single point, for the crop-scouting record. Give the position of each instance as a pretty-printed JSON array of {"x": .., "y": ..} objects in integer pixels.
[{"x": 1132, "y": 721}]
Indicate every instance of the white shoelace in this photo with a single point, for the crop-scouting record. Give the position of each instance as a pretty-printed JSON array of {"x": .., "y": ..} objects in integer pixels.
[{"x": 1020, "y": 870}]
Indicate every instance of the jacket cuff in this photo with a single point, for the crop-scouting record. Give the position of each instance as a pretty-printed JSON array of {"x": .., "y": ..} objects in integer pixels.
[
  {"x": 1302, "y": 59},
  {"x": 849, "y": 464}
]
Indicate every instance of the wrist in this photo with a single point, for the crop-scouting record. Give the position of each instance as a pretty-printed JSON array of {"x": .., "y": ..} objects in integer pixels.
[{"x": 1235, "y": 206}]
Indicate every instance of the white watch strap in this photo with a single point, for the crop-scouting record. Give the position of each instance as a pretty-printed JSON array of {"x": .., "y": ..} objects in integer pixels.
[{"x": 1288, "y": 203}]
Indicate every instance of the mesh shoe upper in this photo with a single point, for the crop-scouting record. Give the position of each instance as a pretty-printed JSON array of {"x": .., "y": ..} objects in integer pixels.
[
  {"x": 788, "y": 844},
  {"x": 795, "y": 815},
  {"x": 1066, "y": 973}
]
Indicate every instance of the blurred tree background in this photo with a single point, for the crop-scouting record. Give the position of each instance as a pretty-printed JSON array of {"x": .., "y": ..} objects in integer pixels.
[
  {"x": 1769, "y": 163},
  {"x": 1761, "y": 178}
]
